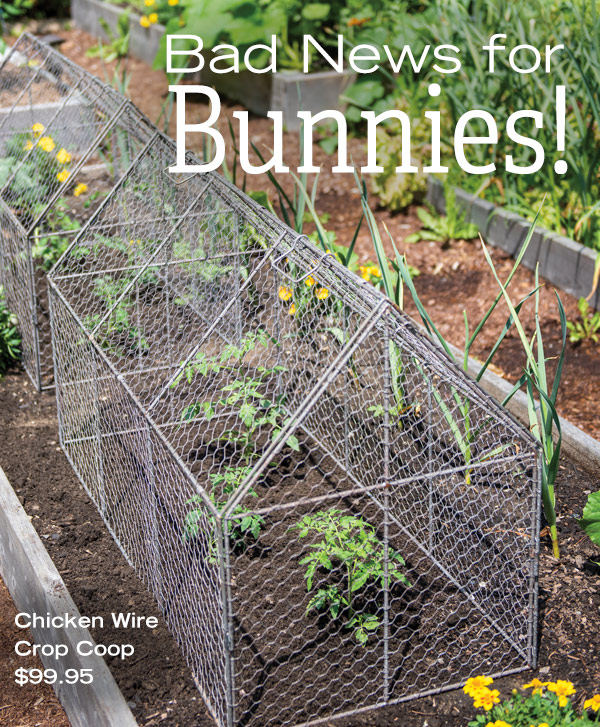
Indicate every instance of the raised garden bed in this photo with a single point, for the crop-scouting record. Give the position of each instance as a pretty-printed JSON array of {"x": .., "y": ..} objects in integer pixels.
[
  {"x": 287, "y": 91},
  {"x": 65, "y": 138},
  {"x": 567, "y": 264}
]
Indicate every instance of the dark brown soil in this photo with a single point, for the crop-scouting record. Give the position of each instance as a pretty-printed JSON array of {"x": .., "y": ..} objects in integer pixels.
[
  {"x": 29, "y": 705},
  {"x": 157, "y": 682}
]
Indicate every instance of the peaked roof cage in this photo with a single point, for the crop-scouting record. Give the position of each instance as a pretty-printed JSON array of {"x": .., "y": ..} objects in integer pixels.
[
  {"x": 65, "y": 138},
  {"x": 332, "y": 516}
]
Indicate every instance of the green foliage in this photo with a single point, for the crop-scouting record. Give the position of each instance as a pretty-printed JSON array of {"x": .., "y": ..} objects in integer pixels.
[
  {"x": 590, "y": 522},
  {"x": 444, "y": 228},
  {"x": 11, "y": 10},
  {"x": 244, "y": 524},
  {"x": 588, "y": 327},
  {"x": 117, "y": 45},
  {"x": 118, "y": 334},
  {"x": 541, "y": 706},
  {"x": 351, "y": 551},
  {"x": 48, "y": 246},
  {"x": 10, "y": 341},
  {"x": 246, "y": 397}
]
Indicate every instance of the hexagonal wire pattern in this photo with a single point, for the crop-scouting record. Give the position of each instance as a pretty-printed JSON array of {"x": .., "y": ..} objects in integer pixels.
[
  {"x": 60, "y": 128},
  {"x": 330, "y": 514}
]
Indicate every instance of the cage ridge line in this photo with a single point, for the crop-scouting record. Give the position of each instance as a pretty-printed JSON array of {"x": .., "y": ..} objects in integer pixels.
[{"x": 234, "y": 400}]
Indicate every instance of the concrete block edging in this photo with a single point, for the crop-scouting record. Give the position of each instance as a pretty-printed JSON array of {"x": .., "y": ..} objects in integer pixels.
[{"x": 567, "y": 264}]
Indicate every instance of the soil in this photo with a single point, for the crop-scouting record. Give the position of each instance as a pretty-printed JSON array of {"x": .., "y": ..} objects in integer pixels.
[
  {"x": 156, "y": 680},
  {"x": 30, "y": 705}
]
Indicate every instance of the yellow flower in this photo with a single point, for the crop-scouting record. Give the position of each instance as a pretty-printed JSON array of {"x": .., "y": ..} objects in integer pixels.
[
  {"x": 284, "y": 293},
  {"x": 292, "y": 309},
  {"x": 593, "y": 703},
  {"x": 498, "y": 723},
  {"x": 475, "y": 684},
  {"x": 536, "y": 685},
  {"x": 46, "y": 143},
  {"x": 28, "y": 145},
  {"x": 38, "y": 129},
  {"x": 172, "y": 3},
  {"x": 80, "y": 189},
  {"x": 486, "y": 698},
  {"x": 153, "y": 18},
  {"x": 322, "y": 293},
  {"x": 562, "y": 689},
  {"x": 148, "y": 3},
  {"x": 144, "y": 21},
  {"x": 63, "y": 175},
  {"x": 63, "y": 156},
  {"x": 310, "y": 280}
]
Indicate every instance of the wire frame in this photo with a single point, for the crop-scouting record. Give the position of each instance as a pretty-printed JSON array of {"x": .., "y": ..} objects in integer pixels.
[
  {"x": 331, "y": 515},
  {"x": 65, "y": 139}
]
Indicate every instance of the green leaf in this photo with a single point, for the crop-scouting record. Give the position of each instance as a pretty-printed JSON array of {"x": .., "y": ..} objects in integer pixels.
[
  {"x": 590, "y": 522},
  {"x": 315, "y": 11},
  {"x": 292, "y": 441}
]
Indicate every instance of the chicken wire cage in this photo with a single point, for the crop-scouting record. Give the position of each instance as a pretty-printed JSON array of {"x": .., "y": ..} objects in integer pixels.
[
  {"x": 331, "y": 515},
  {"x": 65, "y": 138}
]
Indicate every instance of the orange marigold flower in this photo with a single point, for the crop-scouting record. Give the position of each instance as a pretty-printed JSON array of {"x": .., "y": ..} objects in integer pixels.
[
  {"x": 358, "y": 21},
  {"x": 309, "y": 281},
  {"x": 475, "y": 684},
  {"x": 322, "y": 293},
  {"x": 593, "y": 703},
  {"x": 284, "y": 293},
  {"x": 536, "y": 685},
  {"x": 563, "y": 689},
  {"x": 486, "y": 698},
  {"x": 292, "y": 309}
]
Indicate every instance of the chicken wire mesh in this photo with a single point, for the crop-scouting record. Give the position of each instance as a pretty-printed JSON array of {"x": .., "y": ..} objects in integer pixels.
[
  {"x": 330, "y": 514},
  {"x": 65, "y": 138}
]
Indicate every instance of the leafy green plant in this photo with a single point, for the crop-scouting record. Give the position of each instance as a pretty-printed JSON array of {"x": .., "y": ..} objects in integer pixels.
[
  {"x": 246, "y": 398},
  {"x": 119, "y": 335},
  {"x": 49, "y": 245},
  {"x": 352, "y": 552},
  {"x": 15, "y": 9},
  {"x": 590, "y": 522},
  {"x": 10, "y": 341},
  {"x": 547, "y": 704},
  {"x": 244, "y": 524},
  {"x": 588, "y": 327},
  {"x": 117, "y": 45},
  {"x": 444, "y": 228}
]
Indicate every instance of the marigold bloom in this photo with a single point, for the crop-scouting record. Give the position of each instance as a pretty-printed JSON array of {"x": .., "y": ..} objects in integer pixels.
[
  {"x": 172, "y": 3},
  {"x": 310, "y": 280},
  {"x": 284, "y": 293},
  {"x": 475, "y": 684},
  {"x": 144, "y": 21},
  {"x": 153, "y": 18},
  {"x": 63, "y": 175},
  {"x": 81, "y": 188},
  {"x": 593, "y": 703},
  {"x": 28, "y": 145},
  {"x": 63, "y": 156},
  {"x": 38, "y": 129},
  {"x": 148, "y": 3},
  {"x": 486, "y": 698},
  {"x": 357, "y": 21},
  {"x": 536, "y": 685},
  {"x": 47, "y": 143},
  {"x": 322, "y": 293},
  {"x": 499, "y": 723},
  {"x": 562, "y": 689},
  {"x": 369, "y": 271},
  {"x": 292, "y": 309}
]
